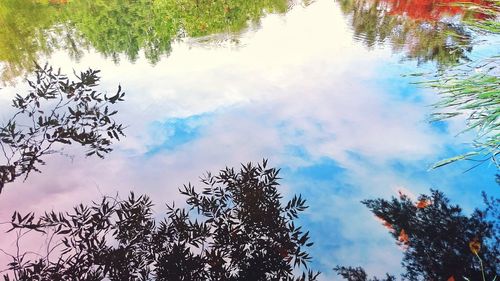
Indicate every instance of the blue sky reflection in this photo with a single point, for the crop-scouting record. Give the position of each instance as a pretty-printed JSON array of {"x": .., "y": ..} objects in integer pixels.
[{"x": 340, "y": 121}]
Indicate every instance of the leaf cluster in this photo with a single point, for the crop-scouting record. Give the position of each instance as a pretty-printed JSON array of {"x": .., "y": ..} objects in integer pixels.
[
  {"x": 57, "y": 111},
  {"x": 476, "y": 95},
  {"x": 235, "y": 229},
  {"x": 358, "y": 274}
]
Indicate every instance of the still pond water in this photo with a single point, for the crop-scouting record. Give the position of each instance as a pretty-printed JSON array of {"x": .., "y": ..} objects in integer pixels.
[{"x": 321, "y": 89}]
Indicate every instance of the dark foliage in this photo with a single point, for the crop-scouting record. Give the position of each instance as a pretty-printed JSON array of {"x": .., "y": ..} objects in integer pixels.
[
  {"x": 57, "y": 111},
  {"x": 438, "y": 239},
  {"x": 359, "y": 274},
  {"x": 235, "y": 229}
]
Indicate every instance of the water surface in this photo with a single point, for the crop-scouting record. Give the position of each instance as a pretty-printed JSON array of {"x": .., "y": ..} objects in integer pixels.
[{"x": 317, "y": 88}]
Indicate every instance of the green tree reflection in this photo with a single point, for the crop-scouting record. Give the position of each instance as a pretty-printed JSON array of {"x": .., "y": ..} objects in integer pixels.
[
  {"x": 31, "y": 29},
  {"x": 23, "y": 35},
  {"x": 414, "y": 31}
]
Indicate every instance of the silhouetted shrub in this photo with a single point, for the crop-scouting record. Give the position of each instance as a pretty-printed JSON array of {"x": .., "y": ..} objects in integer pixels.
[
  {"x": 57, "y": 111},
  {"x": 438, "y": 241},
  {"x": 234, "y": 229}
]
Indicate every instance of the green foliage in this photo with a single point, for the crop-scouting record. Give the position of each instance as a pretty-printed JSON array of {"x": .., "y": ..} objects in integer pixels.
[
  {"x": 234, "y": 229},
  {"x": 23, "y": 31},
  {"x": 489, "y": 23},
  {"x": 116, "y": 27},
  {"x": 57, "y": 111},
  {"x": 478, "y": 97},
  {"x": 473, "y": 89},
  {"x": 208, "y": 16},
  {"x": 123, "y": 27},
  {"x": 423, "y": 40}
]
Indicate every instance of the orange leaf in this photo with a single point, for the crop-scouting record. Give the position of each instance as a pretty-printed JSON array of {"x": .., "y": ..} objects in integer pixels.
[
  {"x": 452, "y": 278},
  {"x": 403, "y": 237},
  {"x": 475, "y": 246},
  {"x": 423, "y": 203}
]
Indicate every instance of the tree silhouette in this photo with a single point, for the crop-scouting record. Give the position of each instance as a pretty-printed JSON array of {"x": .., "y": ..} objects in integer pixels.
[
  {"x": 57, "y": 111},
  {"x": 359, "y": 274},
  {"x": 439, "y": 242},
  {"x": 235, "y": 229}
]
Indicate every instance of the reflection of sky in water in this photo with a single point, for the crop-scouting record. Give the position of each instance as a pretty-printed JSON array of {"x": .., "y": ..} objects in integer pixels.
[{"x": 339, "y": 120}]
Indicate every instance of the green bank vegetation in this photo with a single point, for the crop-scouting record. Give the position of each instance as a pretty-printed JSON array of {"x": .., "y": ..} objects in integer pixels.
[{"x": 30, "y": 30}]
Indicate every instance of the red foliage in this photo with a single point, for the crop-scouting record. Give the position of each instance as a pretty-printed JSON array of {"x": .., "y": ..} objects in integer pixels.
[{"x": 431, "y": 10}]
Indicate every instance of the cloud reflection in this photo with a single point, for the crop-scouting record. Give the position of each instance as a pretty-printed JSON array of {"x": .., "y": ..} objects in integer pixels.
[{"x": 338, "y": 119}]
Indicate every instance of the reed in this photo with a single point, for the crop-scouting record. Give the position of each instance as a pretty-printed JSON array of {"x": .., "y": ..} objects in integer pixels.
[{"x": 473, "y": 89}]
